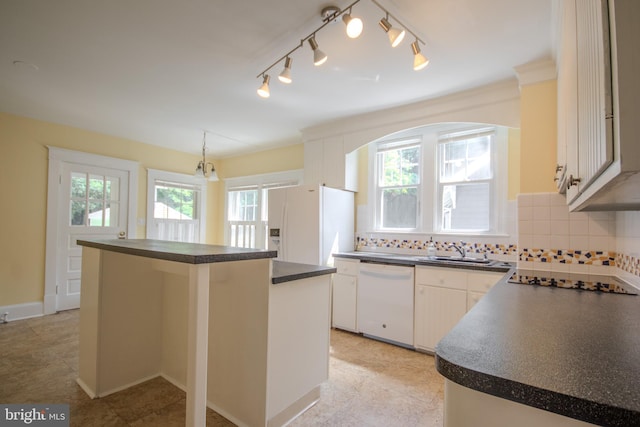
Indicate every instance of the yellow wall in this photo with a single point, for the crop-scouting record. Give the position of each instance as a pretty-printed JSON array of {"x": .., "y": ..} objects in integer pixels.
[
  {"x": 513, "y": 157},
  {"x": 23, "y": 184},
  {"x": 538, "y": 119},
  {"x": 23, "y": 179}
]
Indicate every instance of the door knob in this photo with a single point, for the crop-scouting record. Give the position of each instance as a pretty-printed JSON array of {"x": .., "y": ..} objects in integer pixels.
[{"x": 122, "y": 235}]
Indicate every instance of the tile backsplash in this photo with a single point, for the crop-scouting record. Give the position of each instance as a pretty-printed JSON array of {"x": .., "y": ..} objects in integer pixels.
[{"x": 544, "y": 236}]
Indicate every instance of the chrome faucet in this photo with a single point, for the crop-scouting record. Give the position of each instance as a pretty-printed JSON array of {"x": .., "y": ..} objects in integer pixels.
[{"x": 461, "y": 249}]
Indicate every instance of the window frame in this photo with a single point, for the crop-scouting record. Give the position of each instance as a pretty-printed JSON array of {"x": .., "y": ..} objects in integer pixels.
[
  {"x": 387, "y": 145},
  {"x": 428, "y": 210},
  {"x": 462, "y": 134},
  {"x": 155, "y": 175},
  {"x": 261, "y": 183}
]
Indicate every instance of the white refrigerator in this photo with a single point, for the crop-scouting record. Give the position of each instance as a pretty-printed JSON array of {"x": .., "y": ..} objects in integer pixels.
[{"x": 309, "y": 223}]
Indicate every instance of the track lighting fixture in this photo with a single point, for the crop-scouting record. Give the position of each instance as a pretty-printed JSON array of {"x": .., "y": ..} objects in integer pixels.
[
  {"x": 319, "y": 57},
  {"x": 263, "y": 90},
  {"x": 354, "y": 28},
  {"x": 395, "y": 35},
  {"x": 419, "y": 60},
  {"x": 205, "y": 169},
  {"x": 285, "y": 75},
  {"x": 354, "y": 25}
]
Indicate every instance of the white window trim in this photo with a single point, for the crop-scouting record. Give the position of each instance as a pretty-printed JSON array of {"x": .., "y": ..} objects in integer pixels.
[
  {"x": 260, "y": 180},
  {"x": 154, "y": 175},
  {"x": 404, "y": 141},
  {"x": 428, "y": 214}
]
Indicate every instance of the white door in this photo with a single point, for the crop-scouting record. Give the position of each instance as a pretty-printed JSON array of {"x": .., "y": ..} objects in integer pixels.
[
  {"x": 93, "y": 205},
  {"x": 90, "y": 197}
]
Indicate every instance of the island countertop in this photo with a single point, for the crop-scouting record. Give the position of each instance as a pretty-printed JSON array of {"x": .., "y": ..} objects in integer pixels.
[
  {"x": 571, "y": 352},
  {"x": 190, "y": 253}
]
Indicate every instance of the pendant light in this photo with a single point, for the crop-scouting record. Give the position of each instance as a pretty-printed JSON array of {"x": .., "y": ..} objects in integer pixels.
[{"x": 202, "y": 170}]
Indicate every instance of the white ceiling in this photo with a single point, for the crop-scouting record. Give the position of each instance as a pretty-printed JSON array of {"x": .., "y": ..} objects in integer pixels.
[{"x": 162, "y": 71}]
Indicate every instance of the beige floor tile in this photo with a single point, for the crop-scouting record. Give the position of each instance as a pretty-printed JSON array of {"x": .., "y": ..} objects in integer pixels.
[{"x": 370, "y": 383}]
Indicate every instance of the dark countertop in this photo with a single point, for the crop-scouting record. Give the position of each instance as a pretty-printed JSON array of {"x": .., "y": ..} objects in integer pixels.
[
  {"x": 414, "y": 260},
  {"x": 195, "y": 253},
  {"x": 190, "y": 253},
  {"x": 571, "y": 352},
  {"x": 289, "y": 271}
]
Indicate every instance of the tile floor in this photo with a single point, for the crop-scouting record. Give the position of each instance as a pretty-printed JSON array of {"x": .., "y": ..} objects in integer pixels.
[{"x": 371, "y": 383}]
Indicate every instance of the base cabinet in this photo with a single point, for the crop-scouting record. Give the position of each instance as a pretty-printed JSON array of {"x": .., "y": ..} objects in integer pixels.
[
  {"x": 442, "y": 297},
  {"x": 437, "y": 311},
  {"x": 345, "y": 295}
]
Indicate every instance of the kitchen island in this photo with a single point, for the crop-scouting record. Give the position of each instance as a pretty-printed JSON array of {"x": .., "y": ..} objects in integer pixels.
[
  {"x": 215, "y": 321},
  {"x": 533, "y": 355}
]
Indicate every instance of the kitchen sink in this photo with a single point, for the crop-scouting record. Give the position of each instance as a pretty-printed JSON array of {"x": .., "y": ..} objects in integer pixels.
[{"x": 469, "y": 260}]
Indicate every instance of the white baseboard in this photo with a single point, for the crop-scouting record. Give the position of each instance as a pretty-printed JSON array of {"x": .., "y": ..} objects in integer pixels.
[{"x": 22, "y": 311}]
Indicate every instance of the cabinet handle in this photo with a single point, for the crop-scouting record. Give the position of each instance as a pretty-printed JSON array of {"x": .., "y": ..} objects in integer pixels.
[{"x": 572, "y": 181}]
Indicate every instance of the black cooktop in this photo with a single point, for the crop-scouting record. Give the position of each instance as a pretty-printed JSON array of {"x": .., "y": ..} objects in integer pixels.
[{"x": 585, "y": 282}]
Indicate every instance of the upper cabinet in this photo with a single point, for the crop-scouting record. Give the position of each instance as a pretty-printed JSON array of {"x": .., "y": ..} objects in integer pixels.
[
  {"x": 327, "y": 162},
  {"x": 598, "y": 106}
]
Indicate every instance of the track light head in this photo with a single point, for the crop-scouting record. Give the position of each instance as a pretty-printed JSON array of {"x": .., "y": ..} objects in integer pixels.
[
  {"x": 395, "y": 35},
  {"x": 319, "y": 57},
  {"x": 263, "y": 90},
  {"x": 285, "y": 75},
  {"x": 354, "y": 25},
  {"x": 419, "y": 60}
]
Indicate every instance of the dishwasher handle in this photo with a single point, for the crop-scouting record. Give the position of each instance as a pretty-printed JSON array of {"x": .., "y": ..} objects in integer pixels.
[{"x": 388, "y": 274}]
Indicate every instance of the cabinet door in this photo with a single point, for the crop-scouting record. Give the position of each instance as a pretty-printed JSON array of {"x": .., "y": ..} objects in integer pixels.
[
  {"x": 439, "y": 309},
  {"x": 595, "y": 107},
  {"x": 473, "y": 298},
  {"x": 482, "y": 281},
  {"x": 567, "y": 97},
  {"x": 344, "y": 302}
]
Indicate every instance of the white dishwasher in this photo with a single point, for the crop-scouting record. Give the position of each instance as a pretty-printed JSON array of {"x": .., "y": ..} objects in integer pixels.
[{"x": 385, "y": 302}]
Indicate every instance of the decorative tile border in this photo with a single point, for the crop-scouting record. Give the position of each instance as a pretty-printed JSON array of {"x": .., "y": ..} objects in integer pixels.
[
  {"x": 481, "y": 248},
  {"x": 628, "y": 263},
  {"x": 569, "y": 256}
]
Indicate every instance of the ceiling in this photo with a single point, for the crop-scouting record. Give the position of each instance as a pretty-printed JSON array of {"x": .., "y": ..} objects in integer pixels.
[{"x": 163, "y": 71}]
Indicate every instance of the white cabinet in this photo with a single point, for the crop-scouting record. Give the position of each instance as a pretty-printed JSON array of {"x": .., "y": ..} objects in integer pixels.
[
  {"x": 478, "y": 284},
  {"x": 598, "y": 106},
  {"x": 441, "y": 301},
  {"x": 345, "y": 291},
  {"x": 443, "y": 296},
  {"x": 326, "y": 162}
]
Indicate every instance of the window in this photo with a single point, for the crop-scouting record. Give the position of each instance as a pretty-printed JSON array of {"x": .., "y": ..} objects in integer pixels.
[
  {"x": 175, "y": 207},
  {"x": 447, "y": 178},
  {"x": 247, "y": 207},
  {"x": 465, "y": 181},
  {"x": 246, "y": 218},
  {"x": 94, "y": 200},
  {"x": 398, "y": 184}
]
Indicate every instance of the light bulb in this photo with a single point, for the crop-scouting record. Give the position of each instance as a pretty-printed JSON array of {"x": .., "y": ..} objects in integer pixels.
[{"x": 354, "y": 26}]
